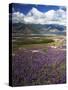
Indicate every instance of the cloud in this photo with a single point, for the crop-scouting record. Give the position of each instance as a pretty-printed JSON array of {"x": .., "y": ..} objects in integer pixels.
[
  {"x": 61, "y": 14},
  {"x": 35, "y": 12},
  {"x": 17, "y": 17},
  {"x": 36, "y": 17},
  {"x": 56, "y": 17},
  {"x": 50, "y": 14}
]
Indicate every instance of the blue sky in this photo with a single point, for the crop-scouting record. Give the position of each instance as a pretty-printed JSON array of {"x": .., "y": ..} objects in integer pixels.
[{"x": 25, "y": 8}]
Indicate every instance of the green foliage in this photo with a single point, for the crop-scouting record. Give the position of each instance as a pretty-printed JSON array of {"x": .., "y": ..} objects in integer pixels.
[{"x": 33, "y": 41}]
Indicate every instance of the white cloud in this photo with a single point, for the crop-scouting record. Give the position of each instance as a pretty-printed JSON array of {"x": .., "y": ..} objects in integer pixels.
[
  {"x": 28, "y": 19},
  {"x": 36, "y": 17},
  {"x": 34, "y": 12},
  {"x": 50, "y": 14},
  {"x": 60, "y": 14},
  {"x": 17, "y": 17}
]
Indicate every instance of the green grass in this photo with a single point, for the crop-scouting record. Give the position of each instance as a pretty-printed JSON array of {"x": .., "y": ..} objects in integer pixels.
[{"x": 30, "y": 43}]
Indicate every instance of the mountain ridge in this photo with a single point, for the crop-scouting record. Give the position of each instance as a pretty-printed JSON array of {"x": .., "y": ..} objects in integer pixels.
[{"x": 38, "y": 28}]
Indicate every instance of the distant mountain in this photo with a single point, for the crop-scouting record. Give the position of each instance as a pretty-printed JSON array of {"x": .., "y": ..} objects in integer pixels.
[
  {"x": 38, "y": 28},
  {"x": 47, "y": 27}
]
